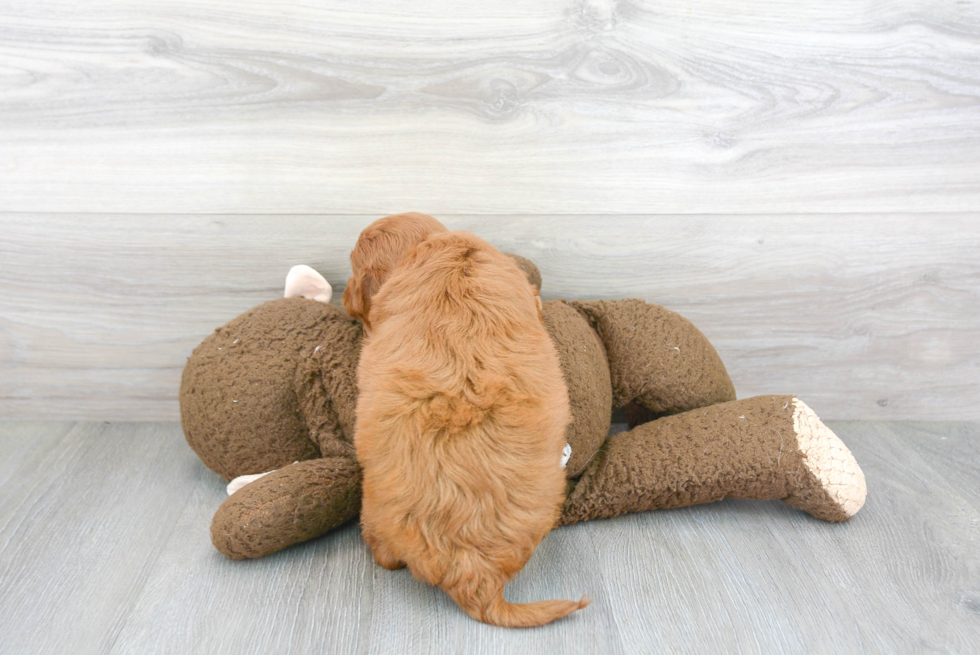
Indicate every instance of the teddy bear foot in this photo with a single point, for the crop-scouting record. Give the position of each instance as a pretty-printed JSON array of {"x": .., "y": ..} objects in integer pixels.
[
  {"x": 287, "y": 506},
  {"x": 833, "y": 487},
  {"x": 243, "y": 480}
]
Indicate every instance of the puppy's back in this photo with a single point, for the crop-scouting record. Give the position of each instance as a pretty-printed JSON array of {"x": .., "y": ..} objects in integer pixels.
[{"x": 461, "y": 424}]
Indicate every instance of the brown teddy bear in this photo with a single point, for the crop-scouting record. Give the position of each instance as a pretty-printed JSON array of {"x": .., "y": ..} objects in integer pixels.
[{"x": 269, "y": 400}]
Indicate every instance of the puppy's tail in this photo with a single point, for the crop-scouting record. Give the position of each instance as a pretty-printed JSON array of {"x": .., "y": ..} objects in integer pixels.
[
  {"x": 526, "y": 615},
  {"x": 482, "y": 597}
]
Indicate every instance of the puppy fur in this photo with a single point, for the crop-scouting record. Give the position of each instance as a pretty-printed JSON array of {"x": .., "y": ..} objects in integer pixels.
[
  {"x": 461, "y": 415},
  {"x": 378, "y": 250}
]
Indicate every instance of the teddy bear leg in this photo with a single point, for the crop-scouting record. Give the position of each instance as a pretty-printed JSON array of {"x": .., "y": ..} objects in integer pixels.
[
  {"x": 764, "y": 448},
  {"x": 657, "y": 358},
  {"x": 287, "y": 506}
]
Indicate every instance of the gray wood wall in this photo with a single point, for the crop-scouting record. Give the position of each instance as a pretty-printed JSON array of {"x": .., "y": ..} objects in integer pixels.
[{"x": 802, "y": 180}]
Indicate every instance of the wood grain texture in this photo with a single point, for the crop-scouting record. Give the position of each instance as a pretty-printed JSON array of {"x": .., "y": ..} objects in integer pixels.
[
  {"x": 863, "y": 316},
  {"x": 409, "y": 617},
  {"x": 785, "y": 583},
  {"x": 563, "y": 106},
  {"x": 104, "y": 547},
  {"x": 313, "y": 598},
  {"x": 83, "y": 519}
]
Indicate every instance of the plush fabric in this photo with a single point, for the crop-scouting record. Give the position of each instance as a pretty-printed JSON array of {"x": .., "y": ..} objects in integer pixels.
[
  {"x": 586, "y": 373},
  {"x": 292, "y": 504},
  {"x": 751, "y": 448},
  {"x": 275, "y": 390},
  {"x": 657, "y": 358}
]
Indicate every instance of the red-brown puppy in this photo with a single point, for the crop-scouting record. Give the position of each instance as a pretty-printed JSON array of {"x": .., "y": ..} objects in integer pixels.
[
  {"x": 378, "y": 249},
  {"x": 461, "y": 417}
]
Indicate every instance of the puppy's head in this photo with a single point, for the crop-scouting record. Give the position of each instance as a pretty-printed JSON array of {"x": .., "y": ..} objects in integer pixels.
[{"x": 379, "y": 248}]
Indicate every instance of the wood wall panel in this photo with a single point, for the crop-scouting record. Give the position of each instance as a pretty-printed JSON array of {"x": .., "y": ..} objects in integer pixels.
[
  {"x": 864, "y": 316},
  {"x": 554, "y": 107}
]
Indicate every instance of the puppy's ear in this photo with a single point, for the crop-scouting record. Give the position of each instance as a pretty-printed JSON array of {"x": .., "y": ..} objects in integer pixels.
[
  {"x": 352, "y": 298},
  {"x": 537, "y": 299},
  {"x": 360, "y": 289}
]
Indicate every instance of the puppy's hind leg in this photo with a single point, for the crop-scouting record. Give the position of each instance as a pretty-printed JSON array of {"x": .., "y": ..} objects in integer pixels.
[
  {"x": 385, "y": 559},
  {"x": 382, "y": 554}
]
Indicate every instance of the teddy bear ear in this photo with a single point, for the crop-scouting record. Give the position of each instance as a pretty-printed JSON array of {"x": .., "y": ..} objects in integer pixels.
[{"x": 303, "y": 282}]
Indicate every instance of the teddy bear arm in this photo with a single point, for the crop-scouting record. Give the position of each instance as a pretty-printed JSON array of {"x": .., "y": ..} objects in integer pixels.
[
  {"x": 243, "y": 408},
  {"x": 764, "y": 448},
  {"x": 289, "y": 505},
  {"x": 657, "y": 358},
  {"x": 529, "y": 268}
]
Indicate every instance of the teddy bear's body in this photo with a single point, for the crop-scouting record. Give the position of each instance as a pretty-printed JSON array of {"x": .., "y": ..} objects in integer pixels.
[
  {"x": 275, "y": 390},
  {"x": 274, "y": 386}
]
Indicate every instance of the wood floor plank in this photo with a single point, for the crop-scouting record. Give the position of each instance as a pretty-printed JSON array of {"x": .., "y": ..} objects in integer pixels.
[
  {"x": 569, "y": 106},
  {"x": 739, "y": 576},
  {"x": 107, "y": 550},
  {"x": 23, "y": 444},
  {"x": 410, "y": 617},
  {"x": 328, "y": 595},
  {"x": 953, "y": 450},
  {"x": 863, "y": 316},
  {"x": 311, "y": 598},
  {"x": 915, "y": 564},
  {"x": 81, "y": 531}
]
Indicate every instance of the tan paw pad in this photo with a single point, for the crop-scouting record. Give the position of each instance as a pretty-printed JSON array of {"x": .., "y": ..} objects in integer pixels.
[{"x": 831, "y": 464}]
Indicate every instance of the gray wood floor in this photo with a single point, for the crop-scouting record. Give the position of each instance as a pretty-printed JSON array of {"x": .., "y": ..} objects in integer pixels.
[{"x": 104, "y": 547}]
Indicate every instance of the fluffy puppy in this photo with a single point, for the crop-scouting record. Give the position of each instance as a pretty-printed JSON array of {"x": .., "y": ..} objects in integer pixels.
[
  {"x": 378, "y": 249},
  {"x": 461, "y": 420}
]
